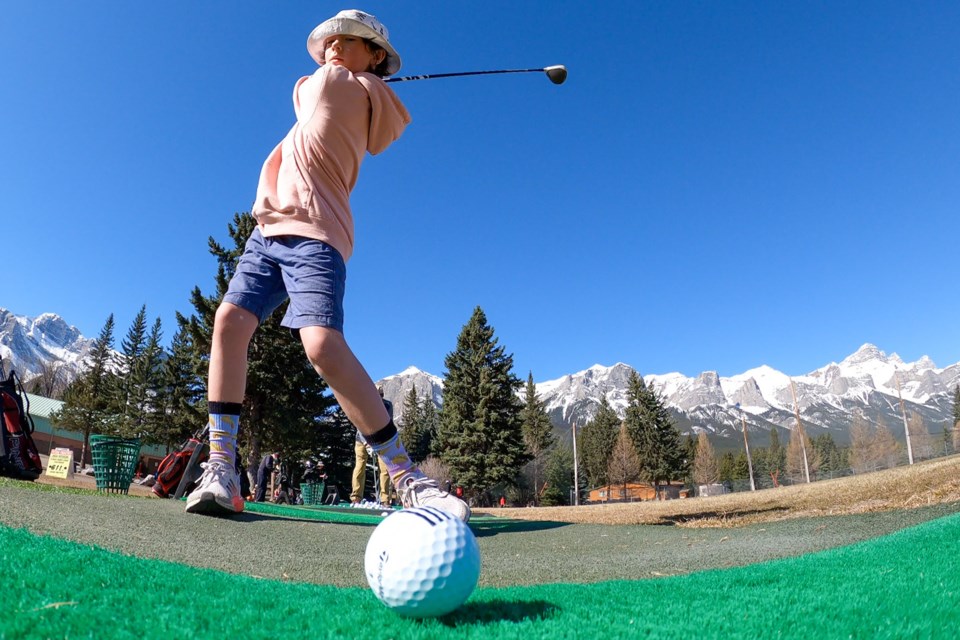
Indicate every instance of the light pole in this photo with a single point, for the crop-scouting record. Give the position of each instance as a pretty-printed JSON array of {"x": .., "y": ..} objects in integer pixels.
[{"x": 746, "y": 446}]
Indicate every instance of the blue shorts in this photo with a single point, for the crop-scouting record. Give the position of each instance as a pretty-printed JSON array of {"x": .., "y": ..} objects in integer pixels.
[{"x": 309, "y": 272}]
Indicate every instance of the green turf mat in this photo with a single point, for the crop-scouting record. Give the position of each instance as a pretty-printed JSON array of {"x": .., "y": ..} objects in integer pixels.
[
  {"x": 906, "y": 584},
  {"x": 319, "y": 513}
]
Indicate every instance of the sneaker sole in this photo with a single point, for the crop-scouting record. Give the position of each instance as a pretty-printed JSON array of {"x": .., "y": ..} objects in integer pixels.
[{"x": 207, "y": 504}]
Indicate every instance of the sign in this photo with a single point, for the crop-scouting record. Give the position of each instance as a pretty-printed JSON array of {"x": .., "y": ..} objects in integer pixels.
[{"x": 60, "y": 463}]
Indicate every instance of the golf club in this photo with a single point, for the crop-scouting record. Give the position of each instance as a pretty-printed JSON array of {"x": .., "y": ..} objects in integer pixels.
[{"x": 557, "y": 74}]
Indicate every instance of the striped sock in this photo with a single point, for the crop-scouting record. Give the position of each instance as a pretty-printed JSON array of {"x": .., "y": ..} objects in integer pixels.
[
  {"x": 386, "y": 444},
  {"x": 224, "y": 423}
]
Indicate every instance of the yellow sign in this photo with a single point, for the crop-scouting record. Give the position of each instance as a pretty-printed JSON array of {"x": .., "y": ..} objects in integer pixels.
[{"x": 60, "y": 464}]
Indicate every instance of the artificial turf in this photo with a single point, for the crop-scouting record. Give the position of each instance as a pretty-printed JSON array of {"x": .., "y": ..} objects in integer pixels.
[{"x": 906, "y": 584}]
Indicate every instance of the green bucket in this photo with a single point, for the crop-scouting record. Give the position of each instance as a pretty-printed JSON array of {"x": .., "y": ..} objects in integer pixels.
[
  {"x": 114, "y": 462},
  {"x": 312, "y": 492}
]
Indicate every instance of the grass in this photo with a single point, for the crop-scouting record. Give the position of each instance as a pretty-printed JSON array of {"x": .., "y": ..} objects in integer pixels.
[
  {"x": 923, "y": 484},
  {"x": 902, "y": 585},
  {"x": 779, "y": 563}
]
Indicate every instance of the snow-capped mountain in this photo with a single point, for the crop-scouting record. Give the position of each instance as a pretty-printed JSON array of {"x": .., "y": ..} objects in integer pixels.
[
  {"x": 397, "y": 387},
  {"x": 29, "y": 344},
  {"x": 866, "y": 382}
]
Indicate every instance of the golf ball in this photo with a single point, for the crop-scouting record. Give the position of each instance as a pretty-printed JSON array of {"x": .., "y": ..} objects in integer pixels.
[{"x": 422, "y": 562}]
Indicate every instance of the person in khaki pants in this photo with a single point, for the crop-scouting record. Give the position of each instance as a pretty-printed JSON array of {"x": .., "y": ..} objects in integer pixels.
[{"x": 361, "y": 455}]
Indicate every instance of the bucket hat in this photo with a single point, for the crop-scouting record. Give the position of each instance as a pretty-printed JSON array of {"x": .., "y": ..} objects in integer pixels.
[{"x": 354, "y": 23}]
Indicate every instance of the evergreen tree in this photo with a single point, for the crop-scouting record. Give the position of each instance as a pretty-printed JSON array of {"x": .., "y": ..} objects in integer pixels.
[
  {"x": 831, "y": 458},
  {"x": 141, "y": 378},
  {"x": 180, "y": 399},
  {"x": 419, "y": 426},
  {"x": 480, "y": 436},
  {"x": 131, "y": 391},
  {"x": 727, "y": 467},
  {"x": 705, "y": 469},
  {"x": 559, "y": 477},
  {"x": 775, "y": 458},
  {"x": 285, "y": 403},
  {"x": 956, "y": 406},
  {"x": 595, "y": 444},
  {"x": 656, "y": 438},
  {"x": 89, "y": 401},
  {"x": 537, "y": 433}
]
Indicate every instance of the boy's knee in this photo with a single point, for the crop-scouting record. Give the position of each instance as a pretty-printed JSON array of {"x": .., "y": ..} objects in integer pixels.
[
  {"x": 323, "y": 348},
  {"x": 230, "y": 318}
]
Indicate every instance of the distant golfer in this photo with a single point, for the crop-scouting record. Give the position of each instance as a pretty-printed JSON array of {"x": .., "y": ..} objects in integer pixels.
[
  {"x": 299, "y": 250},
  {"x": 267, "y": 466}
]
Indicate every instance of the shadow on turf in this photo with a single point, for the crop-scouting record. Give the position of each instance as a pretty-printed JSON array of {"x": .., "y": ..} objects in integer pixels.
[
  {"x": 484, "y": 528},
  {"x": 497, "y": 611}
]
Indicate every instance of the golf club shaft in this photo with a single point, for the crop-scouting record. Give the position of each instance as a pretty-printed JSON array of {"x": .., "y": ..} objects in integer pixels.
[{"x": 460, "y": 73}]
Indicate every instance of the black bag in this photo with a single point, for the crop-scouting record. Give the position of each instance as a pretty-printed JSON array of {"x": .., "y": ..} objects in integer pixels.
[
  {"x": 179, "y": 471},
  {"x": 19, "y": 457}
]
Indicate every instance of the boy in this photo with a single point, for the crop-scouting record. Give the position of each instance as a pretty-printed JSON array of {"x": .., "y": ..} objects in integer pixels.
[{"x": 299, "y": 250}]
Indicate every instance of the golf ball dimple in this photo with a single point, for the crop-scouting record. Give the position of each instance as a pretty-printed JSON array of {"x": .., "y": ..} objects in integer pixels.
[{"x": 422, "y": 562}]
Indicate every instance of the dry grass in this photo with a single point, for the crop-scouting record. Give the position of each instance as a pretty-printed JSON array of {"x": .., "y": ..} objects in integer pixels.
[{"x": 925, "y": 483}]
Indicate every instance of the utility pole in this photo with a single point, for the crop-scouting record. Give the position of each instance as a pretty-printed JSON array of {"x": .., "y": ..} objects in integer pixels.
[
  {"x": 576, "y": 469},
  {"x": 746, "y": 446},
  {"x": 903, "y": 414},
  {"x": 803, "y": 435}
]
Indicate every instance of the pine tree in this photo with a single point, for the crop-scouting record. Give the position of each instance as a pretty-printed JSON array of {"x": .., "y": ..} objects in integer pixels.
[
  {"x": 537, "y": 433},
  {"x": 181, "y": 393},
  {"x": 141, "y": 378},
  {"x": 656, "y": 438},
  {"x": 480, "y": 436},
  {"x": 286, "y": 405},
  {"x": 595, "y": 444},
  {"x": 956, "y": 406},
  {"x": 705, "y": 469},
  {"x": 89, "y": 406},
  {"x": 419, "y": 426},
  {"x": 776, "y": 457},
  {"x": 559, "y": 477}
]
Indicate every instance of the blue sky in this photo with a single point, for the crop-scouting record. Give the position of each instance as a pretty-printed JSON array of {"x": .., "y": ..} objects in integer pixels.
[{"x": 718, "y": 185}]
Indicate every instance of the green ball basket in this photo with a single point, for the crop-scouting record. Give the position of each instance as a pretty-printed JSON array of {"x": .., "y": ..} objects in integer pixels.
[
  {"x": 114, "y": 462},
  {"x": 312, "y": 492}
]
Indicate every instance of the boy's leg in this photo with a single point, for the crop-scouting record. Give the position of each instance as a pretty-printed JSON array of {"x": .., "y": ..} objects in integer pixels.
[
  {"x": 358, "y": 397},
  {"x": 359, "y": 471},
  {"x": 219, "y": 489}
]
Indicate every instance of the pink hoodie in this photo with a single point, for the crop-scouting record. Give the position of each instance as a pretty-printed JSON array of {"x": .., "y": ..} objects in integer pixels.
[{"x": 306, "y": 181}]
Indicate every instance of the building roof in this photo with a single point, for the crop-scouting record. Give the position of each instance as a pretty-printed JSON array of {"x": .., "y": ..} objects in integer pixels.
[{"x": 42, "y": 407}]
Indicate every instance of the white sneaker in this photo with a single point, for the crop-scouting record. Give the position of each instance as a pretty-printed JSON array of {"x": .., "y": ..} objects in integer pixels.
[
  {"x": 218, "y": 492},
  {"x": 417, "y": 490}
]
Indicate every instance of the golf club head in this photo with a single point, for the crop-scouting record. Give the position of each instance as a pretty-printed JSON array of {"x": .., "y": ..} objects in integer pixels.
[{"x": 557, "y": 73}]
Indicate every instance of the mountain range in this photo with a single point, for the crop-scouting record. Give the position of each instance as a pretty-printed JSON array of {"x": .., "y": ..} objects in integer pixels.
[{"x": 868, "y": 382}]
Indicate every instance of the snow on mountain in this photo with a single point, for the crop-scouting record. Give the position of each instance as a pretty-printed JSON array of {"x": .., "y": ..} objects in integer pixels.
[
  {"x": 397, "y": 387},
  {"x": 865, "y": 382},
  {"x": 27, "y": 345}
]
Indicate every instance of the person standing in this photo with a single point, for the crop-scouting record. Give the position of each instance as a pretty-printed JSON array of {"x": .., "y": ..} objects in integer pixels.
[
  {"x": 361, "y": 455},
  {"x": 267, "y": 466},
  {"x": 299, "y": 251}
]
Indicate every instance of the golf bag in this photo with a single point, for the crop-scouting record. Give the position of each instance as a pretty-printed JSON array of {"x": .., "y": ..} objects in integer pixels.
[
  {"x": 180, "y": 470},
  {"x": 19, "y": 457}
]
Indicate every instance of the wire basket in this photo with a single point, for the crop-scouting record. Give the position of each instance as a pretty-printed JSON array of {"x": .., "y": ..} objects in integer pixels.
[
  {"x": 312, "y": 492},
  {"x": 114, "y": 462}
]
